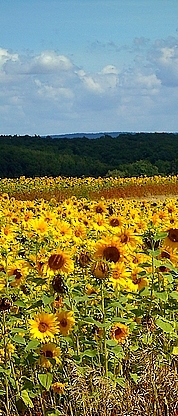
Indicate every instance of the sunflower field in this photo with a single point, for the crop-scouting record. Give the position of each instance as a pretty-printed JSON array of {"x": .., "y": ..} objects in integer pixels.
[{"x": 88, "y": 296}]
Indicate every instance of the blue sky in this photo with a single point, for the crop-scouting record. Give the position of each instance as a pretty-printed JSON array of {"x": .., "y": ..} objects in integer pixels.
[{"x": 88, "y": 66}]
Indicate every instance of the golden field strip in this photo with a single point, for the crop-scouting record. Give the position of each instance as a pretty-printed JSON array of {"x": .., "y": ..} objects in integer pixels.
[{"x": 88, "y": 296}]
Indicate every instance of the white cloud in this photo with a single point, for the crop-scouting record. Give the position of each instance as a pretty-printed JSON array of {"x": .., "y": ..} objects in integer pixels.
[
  {"x": 7, "y": 56},
  {"x": 164, "y": 56},
  {"x": 47, "y": 93},
  {"x": 50, "y": 61}
]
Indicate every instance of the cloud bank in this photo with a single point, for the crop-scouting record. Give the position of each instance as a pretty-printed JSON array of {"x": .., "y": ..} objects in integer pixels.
[{"x": 49, "y": 94}]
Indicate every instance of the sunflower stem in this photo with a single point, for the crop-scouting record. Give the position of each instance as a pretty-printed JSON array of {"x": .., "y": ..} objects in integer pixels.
[
  {"x": 105, "y": 351},
  {"x": 7, "y": 404}
]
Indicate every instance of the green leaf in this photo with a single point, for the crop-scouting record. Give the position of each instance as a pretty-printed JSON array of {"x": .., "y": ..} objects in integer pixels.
[
  {"x": 32, "y": 345},
  {"x": 118, "y": 351},
  {"x": 145, "y": 291},
  {"x": 160, "y": 235},
  {"x": 78, "y": 299},
  {"x": 15, "y": 330},
  {"x": 111, "y": 343},
  {"x": 162, "y": 295},
  {"x": 120, "y": 381},
  {"x": 47, "y": 300},
  {"x": 20, "y": 303},
  {"x": 174, "y": 295},
  {"x": 89, "y": 321},
  {"x": 19, "y": 340},
  {"x": 134, "y": 377},
  {"x": 26, "y": 399},
  {"x": 45, "y": 380},
  {"x": 165, "y": 326},
  {"x": 89, "y": 353},
  {"x": 175, "y": 350}
]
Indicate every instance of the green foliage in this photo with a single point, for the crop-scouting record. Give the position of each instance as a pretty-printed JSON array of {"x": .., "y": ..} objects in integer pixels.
[{"x": 126, "y": 155}]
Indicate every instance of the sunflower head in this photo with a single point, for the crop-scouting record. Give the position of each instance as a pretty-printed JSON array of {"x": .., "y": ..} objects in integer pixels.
[
  {"x": 49, "y": 352},
  {"x": 109, "y": 249},
  {"x": 84, "y": 259},
  {"x": 58, "y": 387},
  {"x": 171, "y": 240},
  {"x": 119, "y": 332},
  {"x": 100, "y": 270},
  {"x": 44, "y": 326},
  {"x": 58, "y": 284},
  {"x": 61, "y": 262},
  {"x": 66, "y": 321}
]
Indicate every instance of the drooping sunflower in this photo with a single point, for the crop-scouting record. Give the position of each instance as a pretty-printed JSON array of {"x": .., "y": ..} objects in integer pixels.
[
  {"x": 109, "y": 249},
  {"x": 44, "y": 326},
  {"x": 66, "y": 321},
  {"x": 119, "y": 332},
  {"x": 49, "y": 350},
  {"x": 60, "y": 261}
]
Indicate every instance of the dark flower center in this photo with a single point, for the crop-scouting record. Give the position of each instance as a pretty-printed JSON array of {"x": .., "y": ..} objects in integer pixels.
[
  {"x": 124, "y": 238},
  {"x": 118, "y": 333},
  {"x": 42, "y": 327},
  {"x": 114, "y": 222},
  {"x": 111, "y": 254},
  {"x": 17, "y": 274},
  {"x": 173, "y": 235},
  {"x": 48, "y": 354},
  {"x": 63, "y": 322},
  {"x": 99, "y": 210},
  {"x": 56, "y": 261},
  {"x": 165, "y": 254}
]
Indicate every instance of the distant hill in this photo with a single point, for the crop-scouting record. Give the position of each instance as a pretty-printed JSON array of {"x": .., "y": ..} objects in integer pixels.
[{"x": 87, "y": 135}]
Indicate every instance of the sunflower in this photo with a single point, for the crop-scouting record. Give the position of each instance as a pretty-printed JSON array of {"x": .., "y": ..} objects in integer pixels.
[
  {"x": 44, "y": 326},
  {"x": 100, "y": 208},
  {"x": 60, "y": 261},
  {"x": 19, "y": 271},
  {"x": 47, "y": 352},
  {"x": 127, "y": 238},
  {"x": 120, "y": 278},
  {"x": 109, "y": 249},
  {"x": 39, "y": 226},
  {"x": 63, "y": 230},
  {"x": 119, "y": 332},
  {"x": 115, "y": 222},
  {"x": 171, "y": 241},
  {"x": 58, "y": 387},
  {"x": 137, "y": 279},
  {"x": 79, "y": 232},
  {"x": 66, "y": 321}
]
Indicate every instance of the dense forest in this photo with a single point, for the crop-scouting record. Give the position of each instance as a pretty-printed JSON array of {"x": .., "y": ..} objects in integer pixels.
[{"x": 128, "y": 154}]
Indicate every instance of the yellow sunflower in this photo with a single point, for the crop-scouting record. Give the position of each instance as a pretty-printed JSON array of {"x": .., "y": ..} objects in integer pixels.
[
  {"x": 60, "y": 261},
  {"x": 58, "y": 387},
  {"x": 66, "y": 321},
  {"x": 119, "y": 332},
  {"x": 171, "y": 241},
  {"x": 120, "y": 278},
  {"x": 128, "y": 238},
  {"x": 19, "y": 270},
  {"x": 109, "y": 249},
  {"x": 49, "y": 350},
  {"x": 44, "y": 326},
  {"x": 115, "y": 222}
]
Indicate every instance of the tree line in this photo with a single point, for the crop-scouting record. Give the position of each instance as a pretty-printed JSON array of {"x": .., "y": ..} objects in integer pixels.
[{"x": 128, "y": 154}]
